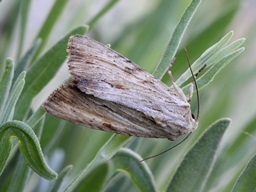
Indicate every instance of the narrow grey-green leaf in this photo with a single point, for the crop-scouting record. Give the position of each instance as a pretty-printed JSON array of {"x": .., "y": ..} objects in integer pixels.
[
  {"x": 125, "y": 160},
  {"x": 108, "y": 150},
  {"x": 13, "y": 98},
  {"x": 19, "y": 179},
  {"x": 246, "y": 181},
  {"x": 227, "y": 50},
  {"x": 96, "y": 178},
  {"x": 36, "y": 116},
  {"x": 5, "y": 85},
  {"x": 24, "y": 9},
  {"x": 102, "y": 12},
  {"x": 26, "y": 59},
  {"x": 196, "y": 166},
  {"x": 29, "y": 147},
  {"x": 49, "y": 23},
  {"x": 209, "y": 54},
  {"x": 5, "y": 149},
  {"x": 42, "y": 71},
  {"x": 112, "y": 146},
  {"x": 213, "y": 71},
  {"x": 61, "y": 177},
  {"x": 8, "y": 28},
  {"x": 176, "y": 39}
]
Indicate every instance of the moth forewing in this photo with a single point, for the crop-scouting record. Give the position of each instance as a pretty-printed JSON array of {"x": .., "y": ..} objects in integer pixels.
[{"x": 111, "y": 93}]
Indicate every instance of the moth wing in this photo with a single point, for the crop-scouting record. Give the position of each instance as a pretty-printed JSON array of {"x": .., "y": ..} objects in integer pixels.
[
  {"x": 69, "y": 103},
  {"x": 105, "y": 74}
]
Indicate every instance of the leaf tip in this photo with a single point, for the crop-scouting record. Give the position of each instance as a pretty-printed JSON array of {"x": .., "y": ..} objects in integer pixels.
[{"x": 9, "y": 62}]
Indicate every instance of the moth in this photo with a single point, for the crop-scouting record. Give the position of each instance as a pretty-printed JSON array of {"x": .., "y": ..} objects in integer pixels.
[{"x": 109, "y": 92}]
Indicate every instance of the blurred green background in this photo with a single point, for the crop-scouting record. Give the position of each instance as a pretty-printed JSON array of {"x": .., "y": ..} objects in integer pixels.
[{"x": 140, "y": 30}]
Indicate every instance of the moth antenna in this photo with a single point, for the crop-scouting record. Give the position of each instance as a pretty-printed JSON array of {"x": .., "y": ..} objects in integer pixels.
[
  {"x": 161, "y": 152},
  {"x": 195, "y": 83}
]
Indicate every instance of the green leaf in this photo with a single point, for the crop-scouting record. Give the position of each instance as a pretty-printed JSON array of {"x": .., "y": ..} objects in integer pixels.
[
  {"x": 19, "y": 179},
  {"x": 5, "y": 85},
  {"x": 42, "y": 71},
  {"x": 95, "y": 179},
  {"x": 213, "y": 71},
  {"x": 107, "y": 151},
  {"x": 151, "y": 32},
  {"x": 49, "y": 24},
  {"x": 206, "y": 36},
  {"x": 246, "y": 181},
  {"x": 32, "y": 121},
  {"x": 8, "y": 28},
  {"x": 36, "y": 117},
  {"x": 176, "y": 39},
  {"x": 194, "y": 170},
  {"x": 26, "y": 59},
  {"x": 61, "y": 177},
  {"x": 227, "y": 50},
  {"x": 209, "y": 55},
  {"x": 112, "y": 146},
  {"x": 24, "y": 9},
  {"x": 5, "y": 148},
  {"x": 102, "y": 12},
  {"x": 54, "y": 130},
  {"x": 29, "y": 147},
  {"x": 13, "y": 98},
  {"x": 126, "y": 160}
]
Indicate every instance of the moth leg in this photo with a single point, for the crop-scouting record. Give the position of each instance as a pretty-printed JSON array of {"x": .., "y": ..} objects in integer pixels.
[
  {"x": 177, "y": 88},
  {"x": 191, "y": 89},
  {"x": 190, "y": 93}
]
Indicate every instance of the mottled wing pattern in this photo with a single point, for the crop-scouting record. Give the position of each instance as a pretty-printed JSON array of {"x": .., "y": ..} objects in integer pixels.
[
  {"x": 69, "y": 103},
  {"x": 107, "y": 75}
]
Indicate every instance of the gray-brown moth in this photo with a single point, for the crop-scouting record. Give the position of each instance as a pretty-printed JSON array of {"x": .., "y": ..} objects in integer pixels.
[{"x": 110, "y": 93}]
